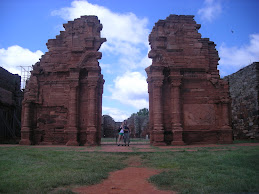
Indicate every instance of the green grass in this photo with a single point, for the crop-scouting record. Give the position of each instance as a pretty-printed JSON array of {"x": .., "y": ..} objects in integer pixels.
[
  {"x": 235, "y": 171},
  {"x": 246, "y": 141},
  {"x": 28, "y": 169},
  {"x": 34, "y": 170}
]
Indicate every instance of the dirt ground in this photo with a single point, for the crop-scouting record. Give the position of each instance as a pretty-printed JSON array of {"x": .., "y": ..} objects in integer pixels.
[{"x": 133, "y": 179}]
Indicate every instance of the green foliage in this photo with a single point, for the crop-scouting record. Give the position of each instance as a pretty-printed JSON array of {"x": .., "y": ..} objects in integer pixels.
[
  {"x": 235, "y": 171},
  {"x": 143, "y": 112}
]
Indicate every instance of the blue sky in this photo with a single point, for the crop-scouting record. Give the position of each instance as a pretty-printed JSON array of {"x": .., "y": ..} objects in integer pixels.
[{"x": 26, "y": 26}]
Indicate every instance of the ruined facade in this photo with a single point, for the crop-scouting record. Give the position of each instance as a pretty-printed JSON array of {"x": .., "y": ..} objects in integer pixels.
[
  {"x": 244, "y": 91},
  {"x": 188, "y": 102},
  {"x": 10, "y": 106},
  {"x": 63, "y": 97}
]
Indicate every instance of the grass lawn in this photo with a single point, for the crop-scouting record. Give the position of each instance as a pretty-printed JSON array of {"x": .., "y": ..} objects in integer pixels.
[
  {"x": 40, "y": 170},
  {"x": 235, "y": 171},
  {"x": 26, "y": 169}
]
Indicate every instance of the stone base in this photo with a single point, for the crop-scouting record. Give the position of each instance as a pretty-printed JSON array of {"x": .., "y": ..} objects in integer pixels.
[
  {"x": 176, "y": 143},
  {"x": 159, "y": 144},
  {"x": 72, "y": 143},
  {"x": 45, "y": 143},
  {"x": 225, "y": 135},
  {"x": 25, "y": 142},
  {"x": 91, "y": 138}
]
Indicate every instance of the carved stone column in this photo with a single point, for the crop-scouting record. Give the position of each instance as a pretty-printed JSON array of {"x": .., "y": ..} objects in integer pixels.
[
  {"x": 151, "y": 123},
  {"x": 226, "y": 135},
  {"x": 99, "y": 110},
  {"x": 72, "y": 131},
  {"x": 92, "y": 115},
  {"x": 158, "y": 130},
  {"x": 26, "y": 129},
  {"x": 177, "y": 129}
]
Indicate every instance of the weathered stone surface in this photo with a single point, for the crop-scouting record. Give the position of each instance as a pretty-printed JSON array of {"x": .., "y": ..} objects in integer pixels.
[
  {"x": 63, "y": 97},
  {"x": 243, "y": 86},
  {"x": 188, "y": 102},
  {"x": 10, "y": 106}
]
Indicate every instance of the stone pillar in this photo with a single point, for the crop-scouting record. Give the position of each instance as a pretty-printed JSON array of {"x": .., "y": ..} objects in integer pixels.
[
  {"x": 99, "y": 111},
  {"x": 226, "y": 135},
  {"x": 92, "y": 115},
  {"x": 72, "y": 131},
  {"x": 26, "y": 130},
  {"x": 177, "y": 129},
  {"x": 151, "y": 125},
  {"x": 158, "y": 130}
]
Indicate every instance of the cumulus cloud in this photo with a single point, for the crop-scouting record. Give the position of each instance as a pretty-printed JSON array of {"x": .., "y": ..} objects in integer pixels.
[
  {"x": 126, "y": 49},
  {"x": 15, "y": 56},
  {"x": 117, "y": 114},
  {"x": 234, "y": 58},
  {"x": 127, "y": 35},
  {"x": 131, "y": 89},
  {"x": 211, "y": 10}
]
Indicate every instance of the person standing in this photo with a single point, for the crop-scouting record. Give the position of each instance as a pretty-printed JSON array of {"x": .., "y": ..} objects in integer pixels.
[
  {"x": 126, "y": 134},
  {"x": 121, "y": 133}
]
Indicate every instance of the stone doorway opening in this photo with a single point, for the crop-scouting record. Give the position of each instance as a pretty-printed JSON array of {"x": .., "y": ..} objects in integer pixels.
[{"x": 188, "y": 102}]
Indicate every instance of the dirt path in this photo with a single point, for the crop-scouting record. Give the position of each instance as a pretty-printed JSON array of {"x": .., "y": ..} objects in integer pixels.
[{"x": 132, "y": 179}]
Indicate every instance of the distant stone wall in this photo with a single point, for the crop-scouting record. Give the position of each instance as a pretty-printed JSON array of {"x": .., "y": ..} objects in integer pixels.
[
  {"x": 244, "y": 86},
  {"x": 10, "y": 105}
]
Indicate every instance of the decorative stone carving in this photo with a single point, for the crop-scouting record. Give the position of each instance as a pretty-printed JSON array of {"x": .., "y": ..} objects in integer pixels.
[
  {"x": 63, "y": 97},
  {"x": 190, "y": 103}
]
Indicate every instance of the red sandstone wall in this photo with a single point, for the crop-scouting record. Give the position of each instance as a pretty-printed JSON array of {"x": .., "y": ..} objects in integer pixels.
[
  {"x": 189, "y": 103},
  {"x": 63, "y": 97}
]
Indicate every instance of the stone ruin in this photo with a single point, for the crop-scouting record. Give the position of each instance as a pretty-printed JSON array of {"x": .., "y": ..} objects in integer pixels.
[
  {"x": 63, "y": 97},
  {"x": 10, "y": 106},
  {"x": 188, "y": 102},
  {"x": 244, "y": 87}
]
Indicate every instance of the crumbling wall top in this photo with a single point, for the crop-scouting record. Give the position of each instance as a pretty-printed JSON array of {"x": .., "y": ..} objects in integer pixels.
[{"x": 175, "y": 42}]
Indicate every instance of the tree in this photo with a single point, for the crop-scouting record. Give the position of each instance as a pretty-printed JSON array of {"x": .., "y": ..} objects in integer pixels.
[{"x": 143, "y": 112}]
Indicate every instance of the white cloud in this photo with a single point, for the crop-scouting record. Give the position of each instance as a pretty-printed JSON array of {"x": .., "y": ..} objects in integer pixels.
[
  {"x": 127, "y": 35},
  {"x": 234, "y": 58},
  {"x": 211, "y": 10},
  {"x": 117, "y": 114},
  {"x": 131, "y": 89},
  {"x": 126, "y": 50},
  {"x": 15, "y": 56}
]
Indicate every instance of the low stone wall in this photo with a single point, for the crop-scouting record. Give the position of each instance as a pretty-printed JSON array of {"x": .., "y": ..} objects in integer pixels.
[
  {"x": 10, "y": 106},
  {"x": 244, "y": 86}
]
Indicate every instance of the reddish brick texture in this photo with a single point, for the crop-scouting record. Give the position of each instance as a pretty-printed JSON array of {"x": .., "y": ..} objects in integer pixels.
[
  {"x": 63, "y": 97},
  {"x": 188, "y": 102}
]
